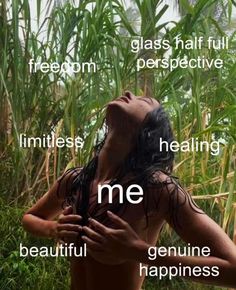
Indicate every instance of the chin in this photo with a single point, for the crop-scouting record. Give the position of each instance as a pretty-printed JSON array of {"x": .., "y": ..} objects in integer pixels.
[
  {"x": 116, "y": 110},
  {"x": 116, "y": 106}
]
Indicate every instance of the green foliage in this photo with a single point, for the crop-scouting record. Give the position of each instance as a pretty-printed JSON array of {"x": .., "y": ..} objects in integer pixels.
[{"x": 27, "y": 272}]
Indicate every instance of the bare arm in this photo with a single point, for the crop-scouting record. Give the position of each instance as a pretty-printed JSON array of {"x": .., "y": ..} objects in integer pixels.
[
  {"x": 200, "y": 230},
  {"x": 39, "y": 219}
]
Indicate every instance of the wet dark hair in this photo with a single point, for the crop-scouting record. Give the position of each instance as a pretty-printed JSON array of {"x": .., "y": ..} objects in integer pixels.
[{"x": 142, "y": 165}]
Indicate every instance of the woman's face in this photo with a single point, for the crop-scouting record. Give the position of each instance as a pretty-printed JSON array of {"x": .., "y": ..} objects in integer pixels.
[{"x": 130, "y": 108}]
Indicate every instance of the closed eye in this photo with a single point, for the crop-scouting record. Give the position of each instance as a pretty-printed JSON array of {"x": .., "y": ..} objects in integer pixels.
[{"x": 149, "y": 101}]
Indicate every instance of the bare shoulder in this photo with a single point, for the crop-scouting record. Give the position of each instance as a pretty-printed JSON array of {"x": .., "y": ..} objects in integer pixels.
[
  {"x": 171, "y": 198},
  {"x": 66, "y": 181},
  {"x": 159, "y": 184},
  {"x": 51, "y": 203},
  {"x": 162, "y": 181}
]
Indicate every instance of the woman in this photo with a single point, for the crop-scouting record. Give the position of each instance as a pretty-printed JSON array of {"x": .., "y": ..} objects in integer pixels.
[{"x": 130, "y": 154}]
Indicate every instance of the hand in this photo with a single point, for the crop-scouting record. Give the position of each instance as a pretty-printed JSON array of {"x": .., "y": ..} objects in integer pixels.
[
  {"x": 103, "y": 243},
  {"x": 67, "y": 228}
]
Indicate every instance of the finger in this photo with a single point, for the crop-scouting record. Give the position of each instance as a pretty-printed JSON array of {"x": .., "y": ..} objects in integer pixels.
[
  {"x": 98, "y": 227},
  {"x": 117, "y": 220},
  {"x": 69, "y": 241},
  {"x": 67, "y": 234},
  {"x": 91, "y": 244},
  {"x": 93, "y": 235},
  {"x": 69, "y": 227},
  {"x": 71, "y": 218},
  {"x": 67, "y": 210}
]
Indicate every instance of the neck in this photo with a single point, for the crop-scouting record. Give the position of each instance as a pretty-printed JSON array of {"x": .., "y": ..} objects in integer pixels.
[{"x": 112, "y": 156}]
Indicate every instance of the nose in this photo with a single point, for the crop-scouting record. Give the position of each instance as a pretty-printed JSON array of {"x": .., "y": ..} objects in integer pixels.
[{"x": 129, "y": 95}]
